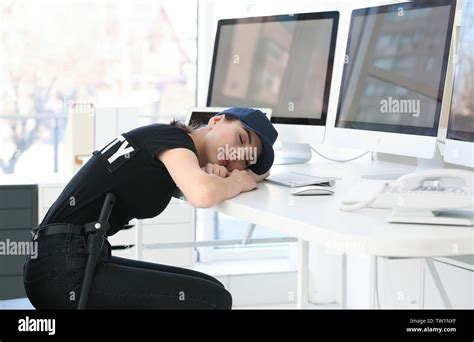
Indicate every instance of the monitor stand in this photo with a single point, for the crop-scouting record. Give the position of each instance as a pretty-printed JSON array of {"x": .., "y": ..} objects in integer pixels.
[
  {"x": 422, "y": 164},
  {"x": 292, "y": 153}
]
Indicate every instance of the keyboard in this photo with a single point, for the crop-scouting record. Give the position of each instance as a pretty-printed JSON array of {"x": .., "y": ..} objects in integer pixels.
[{"x": 296, "y": 179}]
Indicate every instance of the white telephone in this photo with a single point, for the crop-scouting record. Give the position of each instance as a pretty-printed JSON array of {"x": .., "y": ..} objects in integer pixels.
[{"x": 423, "y": 197}]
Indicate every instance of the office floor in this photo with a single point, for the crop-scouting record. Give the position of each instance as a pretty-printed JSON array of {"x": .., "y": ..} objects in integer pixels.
[
  {"x": 24, "y": 304},
  {"x": 288, "y": 306},
  {"x": 16, "y": 304}
]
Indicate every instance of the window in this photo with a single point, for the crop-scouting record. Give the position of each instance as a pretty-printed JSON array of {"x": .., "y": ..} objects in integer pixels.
[{"x": 140, "y": 53}]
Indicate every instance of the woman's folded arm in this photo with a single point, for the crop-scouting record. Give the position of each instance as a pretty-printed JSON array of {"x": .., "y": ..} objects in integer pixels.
[{"x": 201, "y": 189}]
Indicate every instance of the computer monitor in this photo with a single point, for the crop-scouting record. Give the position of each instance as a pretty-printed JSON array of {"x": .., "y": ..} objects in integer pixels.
[
  {"x": 283, "y": 62},
  {"x": 459, "y": 148},
  {"x": 393, "y": 78}
]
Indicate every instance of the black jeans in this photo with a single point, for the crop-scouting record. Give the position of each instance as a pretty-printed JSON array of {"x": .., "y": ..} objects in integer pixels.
[{"x": 53, "y": 280}]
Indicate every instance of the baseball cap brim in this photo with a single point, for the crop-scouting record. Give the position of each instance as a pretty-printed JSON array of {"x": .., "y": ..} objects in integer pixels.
[{"x": 265, "y": 160}]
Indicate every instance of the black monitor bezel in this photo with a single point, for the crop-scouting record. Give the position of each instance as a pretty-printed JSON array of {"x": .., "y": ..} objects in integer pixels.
[
  {"x": 403, "y": 129},
  {"x": 334, "y": 15}
]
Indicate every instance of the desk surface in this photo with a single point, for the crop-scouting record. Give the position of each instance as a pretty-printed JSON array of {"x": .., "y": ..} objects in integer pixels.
[{"x": 318, "y": 219}]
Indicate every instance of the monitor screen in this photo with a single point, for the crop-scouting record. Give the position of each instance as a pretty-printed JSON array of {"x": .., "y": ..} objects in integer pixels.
[
  {"x": 201, "y": 118},
  {"x": 461, "y": 118},
  {"x": 281, "y": 62},
  {"x": 395, "y": 67}
]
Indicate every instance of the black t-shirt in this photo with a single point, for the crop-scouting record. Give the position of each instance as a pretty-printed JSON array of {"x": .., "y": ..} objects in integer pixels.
[{"x": 126, "y": 167}]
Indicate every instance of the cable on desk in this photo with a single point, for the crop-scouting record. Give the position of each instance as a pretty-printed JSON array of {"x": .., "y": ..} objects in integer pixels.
[
  {"x": 354, "y": 206},
  {"x": 338, "y": 160}
]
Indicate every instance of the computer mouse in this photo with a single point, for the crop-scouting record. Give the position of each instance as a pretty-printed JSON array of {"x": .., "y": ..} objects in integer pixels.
[{"x": 312, "y": 190}]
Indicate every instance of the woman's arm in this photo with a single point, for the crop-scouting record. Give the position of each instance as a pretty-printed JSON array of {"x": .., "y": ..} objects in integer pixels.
[{"x": 201, "y": 189}]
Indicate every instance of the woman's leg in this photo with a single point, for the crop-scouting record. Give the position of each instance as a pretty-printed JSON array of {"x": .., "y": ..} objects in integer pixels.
[
  {"x": 162, "y": 268},
  {"x": 54, "y": 279},
  {"x": 130, "y": 284}
]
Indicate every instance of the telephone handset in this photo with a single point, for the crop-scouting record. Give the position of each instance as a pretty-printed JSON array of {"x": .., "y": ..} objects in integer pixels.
[
  {"x": 424, "y": 190},
  {"x": 417, "y": 179}
]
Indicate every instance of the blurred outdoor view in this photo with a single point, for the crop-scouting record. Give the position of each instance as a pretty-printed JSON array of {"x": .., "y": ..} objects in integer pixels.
[{"x": 109, "y": 52}]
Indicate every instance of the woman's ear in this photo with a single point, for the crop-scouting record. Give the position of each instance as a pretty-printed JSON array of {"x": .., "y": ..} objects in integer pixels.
[{"x": 215, "y": 119}]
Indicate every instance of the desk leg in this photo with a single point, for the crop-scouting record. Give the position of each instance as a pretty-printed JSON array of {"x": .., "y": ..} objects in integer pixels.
[
  {"x": 438, "y": 283},
  {"x": 373, "y": 291},
  {"x": 344, "y": 281},
  {"x": 303, "y": 269},
  {"x": 139, "y": 241}
]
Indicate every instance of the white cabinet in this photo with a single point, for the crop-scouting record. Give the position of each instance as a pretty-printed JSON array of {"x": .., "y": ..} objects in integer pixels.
[
  {"x": 253, "y": 289},
  {"x": 175, "y": 224},
  {"x": 48, "y": 192},
  {"x": 79, "y": 143},
  {"x": 399, "y": 283},
  {"x": 110, "y": 122},
  {"x": 408, "y": 284}
]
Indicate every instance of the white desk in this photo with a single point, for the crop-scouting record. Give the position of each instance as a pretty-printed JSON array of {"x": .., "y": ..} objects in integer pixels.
[{"x": 318, "y": 219}]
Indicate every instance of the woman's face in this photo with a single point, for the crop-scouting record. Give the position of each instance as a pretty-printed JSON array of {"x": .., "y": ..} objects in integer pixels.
[{"x": 230, "y": 144}]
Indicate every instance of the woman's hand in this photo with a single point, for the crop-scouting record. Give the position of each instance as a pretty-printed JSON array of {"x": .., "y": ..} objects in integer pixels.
[
  {"x": 244, "y": 179},
  {"x": 258, "y": 178},
  {"x": 216, "y": 169}
]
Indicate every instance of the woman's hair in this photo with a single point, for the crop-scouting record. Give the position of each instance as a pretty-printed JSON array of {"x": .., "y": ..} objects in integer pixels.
[
  {"x": 194, "y": 125},
  {"x": 185, "y": 128}
]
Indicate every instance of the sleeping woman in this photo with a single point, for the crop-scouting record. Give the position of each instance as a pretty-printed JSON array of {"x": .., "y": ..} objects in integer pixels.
[{"x": 142, "y": 169}]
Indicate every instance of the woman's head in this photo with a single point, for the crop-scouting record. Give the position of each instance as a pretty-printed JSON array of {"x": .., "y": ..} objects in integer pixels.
[
  {"x": 230, "y": 144},
  {"x": 237, "y": 138}
]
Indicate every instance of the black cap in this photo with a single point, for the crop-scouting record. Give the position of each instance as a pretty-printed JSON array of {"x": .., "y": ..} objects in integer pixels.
[{"x": 257, "y": 122}]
